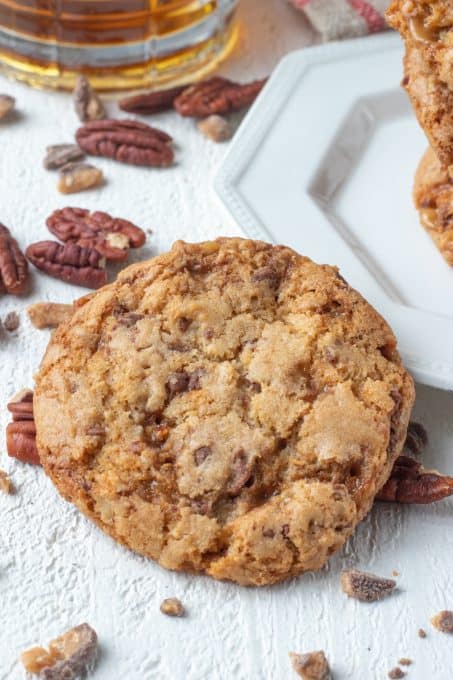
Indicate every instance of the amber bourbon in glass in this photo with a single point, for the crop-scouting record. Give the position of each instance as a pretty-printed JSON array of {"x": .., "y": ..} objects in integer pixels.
[{"x": 119, "y": 44}]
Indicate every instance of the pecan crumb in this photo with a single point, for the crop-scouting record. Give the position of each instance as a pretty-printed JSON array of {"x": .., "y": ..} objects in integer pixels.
[
  {"x": 311, "y": 666},
  {"x": 49, "y": 314},
  {"x": 396, "y": 673},
  {"x": 416, "y": 438},
  {"x": 421, "y": 633},
  {"x": 6, "y": 485},
  {"x": 70, "y": 655},
  {"x": 404, "y": 661},
  {"x": 443, "y": 621},
  {"x": 87, "y": 103},
  {"x": 58, "y": 155},
  {"x": 76, "y": 177},
  {"x": 12, "y": 321},
  {"x": 216, "y": 128},
  {"x": 365, "y": 586},
  {"x": 172, "y": 607},
  {"x": 6, "y": 105}
]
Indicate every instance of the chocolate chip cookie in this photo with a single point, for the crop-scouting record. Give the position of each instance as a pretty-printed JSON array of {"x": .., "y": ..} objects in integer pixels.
[
  {"x": 427, "y": 28},
  {"x": 433, "y": 198},
  {"x": 229, "y": 408}
]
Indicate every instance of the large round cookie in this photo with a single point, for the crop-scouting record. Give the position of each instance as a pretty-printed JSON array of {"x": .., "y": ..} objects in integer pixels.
[
  {"x": 433, "y": 198},
  {"x": 229, "y": 407}
]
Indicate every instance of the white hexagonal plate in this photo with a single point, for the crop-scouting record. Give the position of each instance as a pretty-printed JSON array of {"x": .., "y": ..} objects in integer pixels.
[{"x": 324, "y": 163}]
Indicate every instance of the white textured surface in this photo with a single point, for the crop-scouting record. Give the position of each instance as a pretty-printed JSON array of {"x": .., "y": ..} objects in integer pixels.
[{"x": 57, "y": 570}]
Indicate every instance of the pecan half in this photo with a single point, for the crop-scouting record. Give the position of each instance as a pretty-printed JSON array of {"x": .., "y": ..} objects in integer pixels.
[
  {"x": 13, "y": 265},
  {"x": 126, "y": 141},
  {"x": 411, "y": 483},
  {"x": 148, "y": 103},
  {"x": 69, "y": 262},
  {"x": 110, "y": 236},
  {"x": 217, "y": 95},
  {"x": 87, "y": 103},
  {"x": 49, "y": 314},
  {"x": 58, "y": 155},
  {"x": 21, "y": 433},
  {"x": 364, "y": 586}
]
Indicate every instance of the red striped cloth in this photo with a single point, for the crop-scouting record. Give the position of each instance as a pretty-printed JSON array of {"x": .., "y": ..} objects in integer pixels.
[{"x": 336, "y": 19}]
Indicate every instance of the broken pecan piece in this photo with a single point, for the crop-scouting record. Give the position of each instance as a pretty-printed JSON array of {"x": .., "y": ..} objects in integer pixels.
[
  {"x": 110, "y": 236},
  {"x": 87, "y": 103},
  {"x": 13, "y": 265},
  {"x": 311, "y": 666},
  {"x": 58, "y": 155},
  {"x": 49, "y": 314},
  {"x": 148, "y": 103},
  {"x": 21, "y": 433},
  {"x": 217, "y": 95},
  {"x": 71, "y": 655},
  {"x": 365, "y": 586},
  {"x": 69, "y": 262},
  {"x": 409, "y": 482},
  {"x": 75, "y": 177},
  {"x": 126, "y": 141},
  {"x": 443, "y": 621}
]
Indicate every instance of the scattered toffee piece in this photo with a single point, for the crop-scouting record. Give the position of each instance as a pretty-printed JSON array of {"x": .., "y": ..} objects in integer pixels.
[
  {"x": 364, "y": 586},
  {"x": 443, "y": 621},
  {"x": 172, "y": 607},
  {"x": 311, "y": 666},
  {"x": 11, "y": 322},
  {"x": 87, "y": 103},
  {"x": 75, "y": 177}
]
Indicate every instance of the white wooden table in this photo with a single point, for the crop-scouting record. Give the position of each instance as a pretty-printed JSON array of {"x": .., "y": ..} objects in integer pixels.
[{"x": 58, "y": 570}]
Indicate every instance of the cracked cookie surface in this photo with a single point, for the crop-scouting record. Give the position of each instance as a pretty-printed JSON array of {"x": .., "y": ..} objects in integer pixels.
[
  {"x": 427, "y": 28},
  {"x": 229, "y": 408},
  {"x": 433, "y": 198}
]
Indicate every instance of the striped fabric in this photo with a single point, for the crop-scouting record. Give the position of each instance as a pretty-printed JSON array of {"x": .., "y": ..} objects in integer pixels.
[{"x": 336, "y": 19}]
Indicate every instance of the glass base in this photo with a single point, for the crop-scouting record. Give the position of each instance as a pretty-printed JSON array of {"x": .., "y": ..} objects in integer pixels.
[{"x": 184, "y": 66}]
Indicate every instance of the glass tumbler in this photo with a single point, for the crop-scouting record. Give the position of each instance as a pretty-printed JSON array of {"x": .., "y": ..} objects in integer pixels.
[{"x": 118, "y": 44}]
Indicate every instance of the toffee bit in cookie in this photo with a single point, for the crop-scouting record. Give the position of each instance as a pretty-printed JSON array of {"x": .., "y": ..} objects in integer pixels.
[
  {"x": 172, "y": 607},
  {"x": 49, "y": 314},
  {"x": 421, "y": 633},
  {"x": 6, "y": 105},
  {"x": 311, "y": 666},
  {"x": 417, "y": 437},
  {"x": 6, "y": 485},
  {"x": 87, "y": 103},
  {"x": 396, "y": 673},
  {"x": 69, "y": 656},
  {"x": 443, "y": 621},
  {"x": 59, "y": 155},
  {"x": 76, "y": 177},
  {"x": 11, "y": 322},
  {"x": 404, "y": 661},
  {"x": 365, "y": 586},
  {"x": 216, "y": 128}
]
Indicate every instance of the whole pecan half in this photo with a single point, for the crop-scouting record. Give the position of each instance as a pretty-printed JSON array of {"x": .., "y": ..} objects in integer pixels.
[
  {"x": 21, "y": 433},
  {"x": 127, "y": 141},
  {"x": 69, "y": 262},
  {"x": 110, "y": 236},
  {"x": 411, "y": 483},
  {"x": 147, "y": 103},
  {"x": 217, "y": 95},
  {"x": 13, "y": 265}
]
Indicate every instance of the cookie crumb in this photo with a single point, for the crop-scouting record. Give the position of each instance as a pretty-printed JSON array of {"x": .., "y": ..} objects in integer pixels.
[
  {"x": 311, "y": 666},
  {"x": 11, "y": 322},
  {"x": 6, "y": 485},
  {"x": 70, "y": 655},
  {"x": 421, "y": 633},
  {"x": 49, "y": 314},
  {"x": 443, "y": 621},
  {"x": 404, "y": 661},
  {"x": 365, "y": 586},
  {"x": 396, "y": 673},
  {"x": 172, "y": 607}
]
